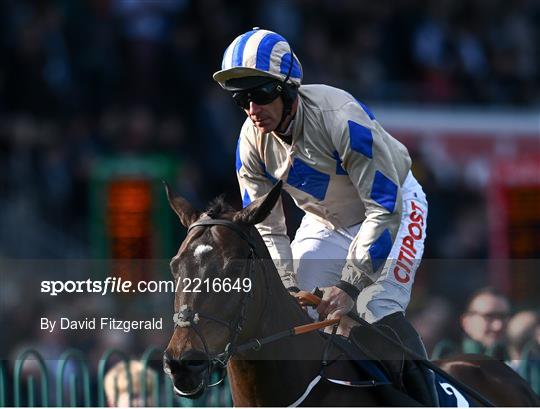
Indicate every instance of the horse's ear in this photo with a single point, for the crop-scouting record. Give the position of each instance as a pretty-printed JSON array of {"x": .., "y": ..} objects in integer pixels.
[
  {"x": 259, "y": 209},
  {"x": 186, "y": 213}
]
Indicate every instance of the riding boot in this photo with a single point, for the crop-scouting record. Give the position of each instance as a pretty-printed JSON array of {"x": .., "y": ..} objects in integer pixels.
[{"x": 419, "y": 380}]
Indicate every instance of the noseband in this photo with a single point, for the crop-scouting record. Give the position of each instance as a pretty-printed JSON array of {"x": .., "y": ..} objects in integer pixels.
[{"x": 188, "y": 318}]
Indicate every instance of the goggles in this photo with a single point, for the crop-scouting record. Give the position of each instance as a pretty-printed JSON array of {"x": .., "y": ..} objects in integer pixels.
[{"x": 261, "y": 95}]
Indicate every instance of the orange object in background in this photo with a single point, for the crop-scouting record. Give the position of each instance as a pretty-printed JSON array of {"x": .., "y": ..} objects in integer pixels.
[
  {"x": 128, "y": 218},
  {"x": 514, "y": 216}
]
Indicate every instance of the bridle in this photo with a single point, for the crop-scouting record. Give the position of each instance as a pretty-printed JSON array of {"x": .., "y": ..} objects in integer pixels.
[{"x": 186, "y": 317}]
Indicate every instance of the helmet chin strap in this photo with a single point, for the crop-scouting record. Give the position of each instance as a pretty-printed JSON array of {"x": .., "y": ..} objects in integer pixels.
[
  {"x": 287, "y": 109},
  {"x": 287, "y": 95}
]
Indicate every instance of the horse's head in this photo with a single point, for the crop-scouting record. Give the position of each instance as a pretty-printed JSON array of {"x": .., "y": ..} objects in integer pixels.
[{"x": 216, "y": 284}]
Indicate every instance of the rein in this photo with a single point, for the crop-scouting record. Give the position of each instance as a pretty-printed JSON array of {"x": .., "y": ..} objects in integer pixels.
[
  {"x": 257, "y": 343},
  {"x": 311, "y": 299},
  {"x": 186, "y": 317}
]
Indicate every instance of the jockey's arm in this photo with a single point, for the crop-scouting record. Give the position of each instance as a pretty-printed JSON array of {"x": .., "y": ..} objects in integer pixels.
[
  {"x": 377, "y": 165},
  {"x": 254, "y": 183}
]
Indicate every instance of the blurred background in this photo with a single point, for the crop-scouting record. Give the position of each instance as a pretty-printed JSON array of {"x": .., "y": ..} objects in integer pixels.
[{"x": 101, "y": 99}]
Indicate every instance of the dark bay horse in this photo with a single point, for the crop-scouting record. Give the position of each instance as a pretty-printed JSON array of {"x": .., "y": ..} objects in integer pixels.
[{"x": 240, "y": 298}]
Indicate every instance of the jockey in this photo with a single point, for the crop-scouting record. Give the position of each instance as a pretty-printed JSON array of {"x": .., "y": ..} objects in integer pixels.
[{"x": 362, "y": 236}]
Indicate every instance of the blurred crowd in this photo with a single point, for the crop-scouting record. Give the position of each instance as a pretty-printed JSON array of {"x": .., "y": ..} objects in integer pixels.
[
  {"x": 84, "y": 79},
  {"x": 489, "y": 325},
  {"x": 80, "y": 79}
]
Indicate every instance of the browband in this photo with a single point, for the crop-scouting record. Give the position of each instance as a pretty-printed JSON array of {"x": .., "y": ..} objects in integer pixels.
[{"x": 227, "y": 223}]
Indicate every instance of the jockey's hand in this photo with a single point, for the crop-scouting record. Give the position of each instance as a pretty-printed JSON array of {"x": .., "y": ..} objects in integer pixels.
[
  {"x": 293, "y": 291},
  {"x": 335, "y": 303},
  {"x": 297, "y": 294},
  {"x": 345, "y": 326}
]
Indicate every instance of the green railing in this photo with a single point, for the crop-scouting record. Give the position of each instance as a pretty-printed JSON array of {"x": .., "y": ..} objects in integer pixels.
[
  {"x": 76, "y": 390},
  {"x": 102, "y": 373},
  {"x": 17, "y": 381},
  {"x": 3, "y": 381},
  {"x": 62, "y": 364},
  {"x": 79, "y": 379}
]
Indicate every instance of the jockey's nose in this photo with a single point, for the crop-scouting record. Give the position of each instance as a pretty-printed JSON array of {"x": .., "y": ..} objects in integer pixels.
[
  {"x": 253, "y": 108},
  {"x": 497, "y": 325}
]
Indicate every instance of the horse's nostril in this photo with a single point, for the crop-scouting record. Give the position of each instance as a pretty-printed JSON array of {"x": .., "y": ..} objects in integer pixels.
[
  {"x": 172, "y": 366},
  {"x": 196, "y": 366},
  {"x": 194, "y": 360}
]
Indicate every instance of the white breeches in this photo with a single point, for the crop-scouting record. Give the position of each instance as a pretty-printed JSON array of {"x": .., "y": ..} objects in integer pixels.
[{"x": 319, "y": 255}]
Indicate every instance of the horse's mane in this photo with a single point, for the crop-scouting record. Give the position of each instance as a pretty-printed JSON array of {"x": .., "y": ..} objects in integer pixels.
[{"x": 219, "y": 207}]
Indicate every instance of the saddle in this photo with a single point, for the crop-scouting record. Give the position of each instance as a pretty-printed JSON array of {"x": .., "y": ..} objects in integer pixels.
[
  {"x": 369, "y": 369},
  {"x": 374, "y": 357},
  {"x": 365, "y": 343},
  {"x": 370, "y": 372},
  {"x": 385, "y": 371},
  {"x": 375, "y": 351},
  {"x": 380, "y": 350}
]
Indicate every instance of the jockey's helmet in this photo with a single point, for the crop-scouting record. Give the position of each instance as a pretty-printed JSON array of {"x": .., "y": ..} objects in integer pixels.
[{"x": 255, "y": 57}]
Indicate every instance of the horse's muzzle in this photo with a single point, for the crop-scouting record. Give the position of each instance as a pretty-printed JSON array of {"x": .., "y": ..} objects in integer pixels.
[{"x": 189, "y": 373}]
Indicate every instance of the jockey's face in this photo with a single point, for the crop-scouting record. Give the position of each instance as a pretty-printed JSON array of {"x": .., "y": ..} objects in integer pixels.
[
  {"x": 486, "y": 319},
  {"x": 265, "y": 117},
  {"x": 262, "y": 103}
]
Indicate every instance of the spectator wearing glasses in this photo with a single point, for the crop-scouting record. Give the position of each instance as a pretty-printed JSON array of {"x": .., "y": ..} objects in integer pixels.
[
  {"x": 362, "y": 236},
  {"x": 484, "y": 323}
]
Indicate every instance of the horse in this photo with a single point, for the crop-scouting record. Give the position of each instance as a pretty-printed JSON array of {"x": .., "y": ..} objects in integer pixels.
[{"x": 245, "y": 327}]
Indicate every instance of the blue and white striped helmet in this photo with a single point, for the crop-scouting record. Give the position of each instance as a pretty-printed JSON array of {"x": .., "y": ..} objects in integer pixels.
[{"x": 259, "y": 53}]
